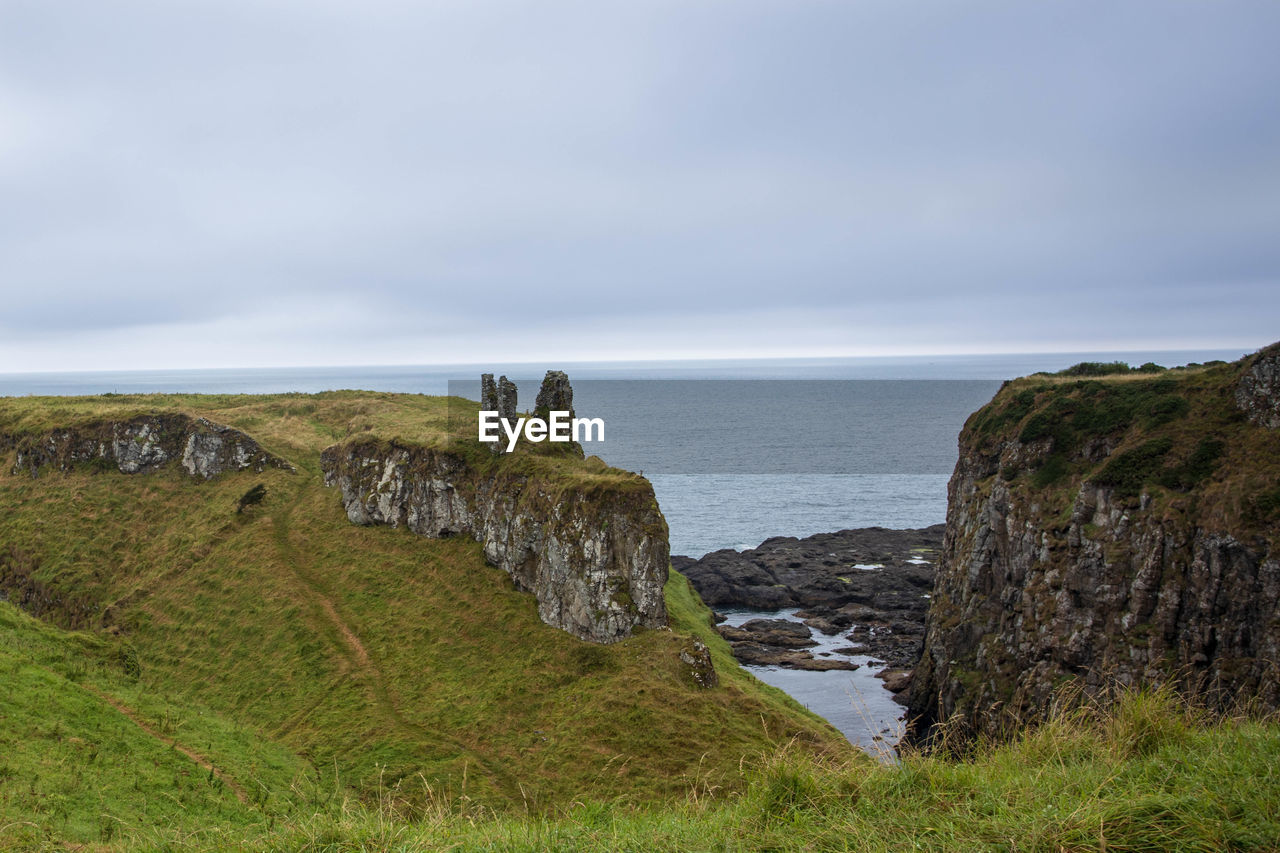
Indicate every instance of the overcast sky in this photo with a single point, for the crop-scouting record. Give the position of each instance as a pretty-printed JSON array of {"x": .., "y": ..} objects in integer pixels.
[{"x": 318, "y": 182}]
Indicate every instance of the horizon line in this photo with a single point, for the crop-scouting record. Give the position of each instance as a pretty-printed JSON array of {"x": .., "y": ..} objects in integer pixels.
[{"x": 604, "y": 363}]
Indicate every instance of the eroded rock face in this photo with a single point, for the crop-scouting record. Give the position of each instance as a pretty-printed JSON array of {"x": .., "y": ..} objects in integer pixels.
[
  {"x": 488, "y": 393},
  {"x": 145, "y": 443},
  {"x": 696, "y": 658},
  {"x": 777, "y": 642},
  {"x": 498, "y": 397},
  {"x": 1258, "y": 394},
  {"x": 1103, "y": 591},
  {"x": 596, "y": 563}
]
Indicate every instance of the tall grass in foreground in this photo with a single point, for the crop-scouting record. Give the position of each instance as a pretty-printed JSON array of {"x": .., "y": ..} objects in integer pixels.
[{"x": 1150, "y": 774}]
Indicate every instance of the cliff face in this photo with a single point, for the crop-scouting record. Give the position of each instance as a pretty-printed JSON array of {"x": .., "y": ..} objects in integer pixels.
[
  {"x": 1107, "y": 533},
  {"x": 1258, "y": 394},
  {"x": 596, "y": 558},
  {"x": 144, "y": 443}
]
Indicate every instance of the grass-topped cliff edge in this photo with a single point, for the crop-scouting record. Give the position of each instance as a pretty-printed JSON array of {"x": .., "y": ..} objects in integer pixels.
[
  {"x": 361, "y": 659},
  {"x": 1110, "y": 528}
]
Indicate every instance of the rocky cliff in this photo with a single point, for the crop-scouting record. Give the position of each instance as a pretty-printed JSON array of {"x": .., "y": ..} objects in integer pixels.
[
  {"x": 140, "y": 444},
  {"x": 590, "y": 545},
  {"x": 1109, "y": 532}
]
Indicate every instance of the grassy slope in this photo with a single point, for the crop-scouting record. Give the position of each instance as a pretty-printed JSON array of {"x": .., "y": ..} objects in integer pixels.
[
  {"x": 1147, "y": 776},
  {"x": 273, "y": 691},
  {"x": 393, "y": 661},
  {"x": 89, "y": 753}
]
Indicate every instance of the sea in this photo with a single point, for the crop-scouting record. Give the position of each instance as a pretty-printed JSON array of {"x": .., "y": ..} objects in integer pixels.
[{"x": 738, "y": 451}]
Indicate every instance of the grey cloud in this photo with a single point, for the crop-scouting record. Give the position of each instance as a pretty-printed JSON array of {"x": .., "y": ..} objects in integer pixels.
[{"x": 511, "y": 165}]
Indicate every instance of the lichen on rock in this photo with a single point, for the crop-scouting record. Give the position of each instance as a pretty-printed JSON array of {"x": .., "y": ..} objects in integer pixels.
[
  {"x": 696, "y": 658},
  {"x": 1258, "y": 394},
  {"x": 145, "y": 443},
  {"x": 555, "y": 394},
  {"x": 596, "y": 560},
  {"x": 500, "y": 396}
]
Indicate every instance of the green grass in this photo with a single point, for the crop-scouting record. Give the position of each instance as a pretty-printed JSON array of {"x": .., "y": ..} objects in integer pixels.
[
  {"x": 75, "y": 767},
  {"x": 1128, "y": 471},
  {"x": 367, "y": 689},
  {"x": 1176, "y": 436},
  {"x": 1108, "y": 368},
  {"x": 298, "y": 426},
  {"x": 370, "y": 657},
  {"x": 1148, "y": 775}
]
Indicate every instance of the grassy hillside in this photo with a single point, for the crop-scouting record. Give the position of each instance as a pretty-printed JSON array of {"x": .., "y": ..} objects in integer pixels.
[
  {"x": 1146, "y": 775},
  {"x": 367, "y": 658},
  {"x": 89, "y": 753},
  {"x": 1149, "y": 775},
  {"x": 283, "y": 680}
]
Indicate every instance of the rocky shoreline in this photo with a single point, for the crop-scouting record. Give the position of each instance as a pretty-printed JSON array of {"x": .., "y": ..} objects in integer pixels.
[{"x": 870, "y": 585}]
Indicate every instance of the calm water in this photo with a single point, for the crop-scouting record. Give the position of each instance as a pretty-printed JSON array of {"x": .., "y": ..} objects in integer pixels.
[
  {"x": 736, "y": 461},
  {"x": 854, "y": 701},
  {"x": 737, "y": 451}
]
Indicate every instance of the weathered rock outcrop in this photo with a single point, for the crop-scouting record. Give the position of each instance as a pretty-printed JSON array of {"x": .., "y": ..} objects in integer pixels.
[
  {"x": 145, "y": 443},
  {"x": 872, "y": 582},
  {"x": 1102, "y": 534},
  {"x": 488, "y": 393},
  {"x": 778, "y": 642},
  {"x": 1258, "y": 394},
  {"x": 596, "y": 558},
  {"x": 696, "y": 658}
]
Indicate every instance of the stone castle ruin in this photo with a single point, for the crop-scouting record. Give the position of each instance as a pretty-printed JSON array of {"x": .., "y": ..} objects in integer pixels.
[
  {"x": 555, "y": 395},
  {"x": 498, "y": 397}
]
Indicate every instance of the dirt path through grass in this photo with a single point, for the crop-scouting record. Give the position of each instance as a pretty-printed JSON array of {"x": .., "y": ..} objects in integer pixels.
[
  {"x": 352, "y": 650},
  {"x": 200, "y": 760},
  {"x": 346, "y": 641}
]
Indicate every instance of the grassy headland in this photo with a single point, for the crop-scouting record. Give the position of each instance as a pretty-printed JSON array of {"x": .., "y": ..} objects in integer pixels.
[
  {"x": 368, "y": 659},
  {"x": 280, "y": 679}
]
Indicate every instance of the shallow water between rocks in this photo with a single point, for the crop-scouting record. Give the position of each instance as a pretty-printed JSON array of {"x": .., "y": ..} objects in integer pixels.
[{"x": 855, "y": 702}]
